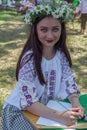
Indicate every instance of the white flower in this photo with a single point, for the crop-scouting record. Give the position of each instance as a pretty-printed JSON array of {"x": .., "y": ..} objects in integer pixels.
[
  {"x": 38, "y": 8},
  {"x": 47, "y": 9},
  {"x": 56, "y": 14},
  {"x": 32, "y": 10},
  {"x": 27, "y": 19}
]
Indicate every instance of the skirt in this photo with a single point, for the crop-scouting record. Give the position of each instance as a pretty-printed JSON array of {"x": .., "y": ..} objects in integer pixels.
[{"x": 13, "y": 119}]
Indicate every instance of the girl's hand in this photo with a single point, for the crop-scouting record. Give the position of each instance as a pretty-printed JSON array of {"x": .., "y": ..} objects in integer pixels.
[
  {"x": 80, "y": 111},
  {"x": 69, "y": 117}
]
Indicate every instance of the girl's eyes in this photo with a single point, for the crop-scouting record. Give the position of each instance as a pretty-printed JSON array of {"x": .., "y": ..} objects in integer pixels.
[
  {"x": 54, "y": 30},
  {"x": 44, "y": 30}
]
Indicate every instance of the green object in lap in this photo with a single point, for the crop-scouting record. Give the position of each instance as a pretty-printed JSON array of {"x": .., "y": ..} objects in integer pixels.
[{"x": 83, "y": 101}]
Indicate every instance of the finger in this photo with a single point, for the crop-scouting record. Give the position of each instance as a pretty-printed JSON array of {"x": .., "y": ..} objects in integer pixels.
[
  {"x": 81, "y": 113},
  {"x": 81, "y": 109},
  {"x": 79, "y": 117},
  {"x": 74, "y": 113},
  {"x": 75, "y": 109},
  {"x": 78, "y": 114},
  {"x": 73, "y": 120}
]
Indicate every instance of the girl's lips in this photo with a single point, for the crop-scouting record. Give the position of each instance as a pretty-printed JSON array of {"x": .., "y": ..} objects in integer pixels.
[{"x": 49, "y": 41}]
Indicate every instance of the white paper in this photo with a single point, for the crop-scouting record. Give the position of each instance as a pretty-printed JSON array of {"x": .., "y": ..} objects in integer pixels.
[{"x": 56, "y": 105}]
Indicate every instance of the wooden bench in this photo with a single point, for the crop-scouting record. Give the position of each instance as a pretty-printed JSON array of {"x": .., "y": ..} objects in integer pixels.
[{"x": 33, "y": 119}]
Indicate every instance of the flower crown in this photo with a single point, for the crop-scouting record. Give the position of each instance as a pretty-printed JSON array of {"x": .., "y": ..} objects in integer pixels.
[{"x": 60, "y": 9}]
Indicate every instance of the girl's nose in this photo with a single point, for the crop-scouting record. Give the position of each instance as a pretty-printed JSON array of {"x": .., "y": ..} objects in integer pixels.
[{"x": 50, "y": 34}]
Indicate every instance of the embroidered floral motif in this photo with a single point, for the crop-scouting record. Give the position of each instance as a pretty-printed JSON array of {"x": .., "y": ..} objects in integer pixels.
[
  {"x": 71, "y": 86},
  {"x": 27, "y": 97},
  {"x": 49, "y": 90},
  {"x": 27, "y": 72},
  {"x": 67, "y": 76},
  {"x": 52, "y": 84},
  {"x": 66, "y": 70}
]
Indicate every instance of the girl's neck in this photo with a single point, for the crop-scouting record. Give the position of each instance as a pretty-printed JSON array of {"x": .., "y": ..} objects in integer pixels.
[{"x": 48, "y": 53}]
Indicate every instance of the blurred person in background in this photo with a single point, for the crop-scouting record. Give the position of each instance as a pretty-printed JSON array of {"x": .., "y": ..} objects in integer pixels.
[{"x": 82, "y": 12}]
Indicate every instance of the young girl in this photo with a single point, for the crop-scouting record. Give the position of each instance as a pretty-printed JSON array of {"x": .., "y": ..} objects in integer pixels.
[{"x": 43, "y": 71}]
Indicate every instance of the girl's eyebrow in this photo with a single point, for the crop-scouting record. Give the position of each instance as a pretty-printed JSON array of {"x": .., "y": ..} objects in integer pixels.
[
  {"x": 56, "y": 26},
  {"x": 43, "y": 27},
  {"x": 47, "y": 26}
]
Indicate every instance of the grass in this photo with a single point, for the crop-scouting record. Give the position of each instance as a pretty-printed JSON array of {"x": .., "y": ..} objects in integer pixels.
[
  {"x": 12, "y": 37},
  {"x": 77, "y": 46},
  {"x": 13, "y": 34}
]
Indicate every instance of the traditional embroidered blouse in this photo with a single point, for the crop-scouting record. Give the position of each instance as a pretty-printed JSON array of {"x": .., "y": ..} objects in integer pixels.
[{"x": 57, "y": 73}]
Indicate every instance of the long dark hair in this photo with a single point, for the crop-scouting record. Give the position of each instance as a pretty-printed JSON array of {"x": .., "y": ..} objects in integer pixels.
[{"x": 34, "y": 44}]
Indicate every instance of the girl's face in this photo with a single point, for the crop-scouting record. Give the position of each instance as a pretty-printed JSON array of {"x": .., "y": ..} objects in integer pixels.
[{"x": 49, "y": 31}]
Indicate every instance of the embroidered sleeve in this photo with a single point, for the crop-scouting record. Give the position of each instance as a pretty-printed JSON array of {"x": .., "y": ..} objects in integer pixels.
[
  {"x": 26, "y": 87},
  {"x": 68, "y": 82},
  {"x": 27, "y": 93},
  {"x": 27, "y": 70}
]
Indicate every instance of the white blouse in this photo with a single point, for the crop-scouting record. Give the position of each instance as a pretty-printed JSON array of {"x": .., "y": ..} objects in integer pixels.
[{"x": 57, "y": 73}]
